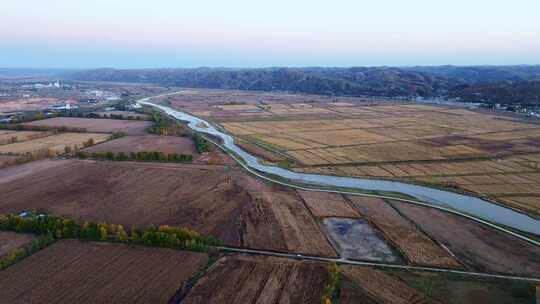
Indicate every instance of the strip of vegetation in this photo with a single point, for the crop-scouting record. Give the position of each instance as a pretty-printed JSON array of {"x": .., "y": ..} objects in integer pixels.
[
  {"x": 37, "y": 244},
  {"x": 331, "y": 290},
  {"x": 164, "y": 125},
  {"x": 201, "y": 144},
  {"x": 60, "y": 228},
  {"x": 104, "y": 116},
  {"x": 152, "y": 156},
  {"x": 21, "y": 127}
]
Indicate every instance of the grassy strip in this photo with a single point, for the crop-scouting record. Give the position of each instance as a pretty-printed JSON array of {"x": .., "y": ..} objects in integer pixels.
[
  {"x": 138, "y": 156},
  {"x": 61, "y": 228},
  {"x": 37, "y": 244}
]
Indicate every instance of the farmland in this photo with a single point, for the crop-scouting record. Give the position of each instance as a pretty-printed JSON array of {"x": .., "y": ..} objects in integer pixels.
[
  {"x": 476, "y": 246},
  {"x": 165, "y": 144},
  {"x": 71, "y": 271},
  {"x": 26, "y": 104},
  {"x": 379, "y": 287},
  {"x": 417, "y": 247},
  {"x": 52, "y": 142},
  {"x": 131, "y": 127},
  {"x": 487, "y": 154},
  {"x": 227, "y": 204},
  {"x": 239, "y": 279},
  {"x": 8, "y": 137}
]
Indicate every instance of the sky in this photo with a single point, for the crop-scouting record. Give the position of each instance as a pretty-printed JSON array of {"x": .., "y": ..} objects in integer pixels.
[{"x": 242, "y": 33}]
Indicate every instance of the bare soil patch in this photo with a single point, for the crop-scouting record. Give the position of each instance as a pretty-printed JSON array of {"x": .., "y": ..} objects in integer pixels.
[
  {"x": 414, "y": 244},
  {"x": 131, "y": 127},
  {"x": 477, "y": 246},
  {"x": 71, "y": 271},
  {"x": 355, "y": 239},
  {"x": 10, "y": 241},
  {"x": 240, "y": 279}
]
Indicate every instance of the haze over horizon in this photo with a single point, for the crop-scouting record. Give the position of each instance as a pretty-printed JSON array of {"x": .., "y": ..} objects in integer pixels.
[{"x": 240, "y": 33}]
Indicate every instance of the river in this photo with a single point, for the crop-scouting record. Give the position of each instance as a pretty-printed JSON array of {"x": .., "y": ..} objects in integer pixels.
[{"x": 462, "y": 203}]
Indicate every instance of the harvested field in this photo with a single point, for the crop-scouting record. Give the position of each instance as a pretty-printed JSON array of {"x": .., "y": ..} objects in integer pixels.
[
  {"x": 26, "y": 104},
  {"x": 355, "y": 239},
  {"x": 390, "y": 134},
  {"x": 259, "y": 152},
  {"x": 165, "y": 144},
  {"x": 379, "y": 287},
  {"x": 11, "y": 241},
  {"x": 477, "y": 246},
  {"x": 452, "y": 289},
  {"x": 125, "y": 114},
  {"x": 418, "y": 248},
  {"x": 298, "y": 228},
  {"x": 131, "y": 127},
  {"x": 55, "y": 143},
  {"x": 241, "y": 279},
  {"x": 512, "y": 180},
  {"x": 71, "y": 271},
  {"x": 323, "y": 204},
  {"x": 9, "y": 137},
  {"x": 227, "y": 204}
]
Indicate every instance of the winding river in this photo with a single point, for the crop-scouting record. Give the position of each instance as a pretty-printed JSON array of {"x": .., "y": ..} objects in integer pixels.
[{"x": 459, "y": 202}]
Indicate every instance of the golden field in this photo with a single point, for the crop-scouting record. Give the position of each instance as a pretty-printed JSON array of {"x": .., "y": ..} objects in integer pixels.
[{"x": 55, "y": 143}]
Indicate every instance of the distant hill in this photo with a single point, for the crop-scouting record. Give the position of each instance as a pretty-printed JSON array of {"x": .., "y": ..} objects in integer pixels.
[{"x": 355, "y": 81}]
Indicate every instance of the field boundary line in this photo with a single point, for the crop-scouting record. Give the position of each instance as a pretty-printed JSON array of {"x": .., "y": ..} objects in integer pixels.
[{"x": 377, "y": 264}]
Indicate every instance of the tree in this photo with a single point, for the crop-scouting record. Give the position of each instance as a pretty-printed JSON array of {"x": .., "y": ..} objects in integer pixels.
[
  {"x": 103, "y": 234},
  {"x": 135, "y": 237},
  {"x": 121, "y": 234}
]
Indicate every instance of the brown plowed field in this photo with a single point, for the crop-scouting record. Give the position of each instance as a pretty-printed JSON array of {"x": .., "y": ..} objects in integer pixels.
[
  {"x": 323, "y": 204},
  {"x": 131, "y": 127},
  {"x": 216, "y": 200},
  {"x": 71, "y": 271},
  {"x": 479, "y": 247},
  {"x": 381, "y": 288},
  {"x": 10, "y": 241},
  {"x": 413, "y": 243},
  {"x": 239, "y": 279},
  {"x": 284, "y": 209},
  {"x": 165, "y": 144}
]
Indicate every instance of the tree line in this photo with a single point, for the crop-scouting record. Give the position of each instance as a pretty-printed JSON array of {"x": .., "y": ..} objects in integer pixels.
[
  {"x": 61, "y": 228},
  {"x": 22, "y": 127},
  {"x": 137, "y": 156},
  {"x": 104, "y": 116}
]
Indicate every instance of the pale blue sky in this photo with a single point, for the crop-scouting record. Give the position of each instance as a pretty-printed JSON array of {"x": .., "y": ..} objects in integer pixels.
[{"x": 241, "y": 33}]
